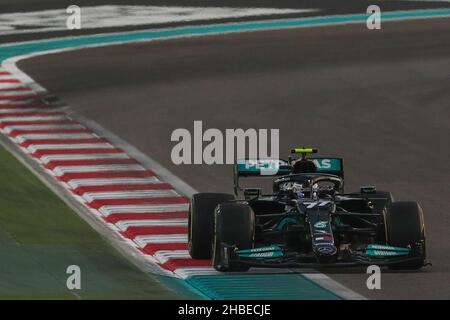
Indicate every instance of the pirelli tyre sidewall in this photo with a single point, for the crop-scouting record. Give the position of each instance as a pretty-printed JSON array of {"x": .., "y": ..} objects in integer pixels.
[
  {"x": 234, "y": 225},
  {"x": 405, "y": 226},
  {"x": 201, "y": 222}
]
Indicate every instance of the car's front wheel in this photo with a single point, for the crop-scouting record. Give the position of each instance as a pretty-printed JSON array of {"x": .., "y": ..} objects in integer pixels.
[
  {"x": 234, "y": 225},
  {"x": 405, "y": 227},
  {"x": 201, "y": 222}
]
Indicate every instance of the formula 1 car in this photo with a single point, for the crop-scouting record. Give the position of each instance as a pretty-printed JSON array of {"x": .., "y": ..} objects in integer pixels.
[{"x": 307, "y": 221}]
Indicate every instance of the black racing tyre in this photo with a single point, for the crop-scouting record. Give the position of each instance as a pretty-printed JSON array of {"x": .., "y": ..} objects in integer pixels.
[
  {"x": 201, "y": 222},
  {"x": 234, "y": 225},
  {"x": 405, "y": 226}
]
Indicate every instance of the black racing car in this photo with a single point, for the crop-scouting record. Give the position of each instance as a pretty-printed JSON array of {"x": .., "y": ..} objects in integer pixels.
[{"x": 307, "y": 220}]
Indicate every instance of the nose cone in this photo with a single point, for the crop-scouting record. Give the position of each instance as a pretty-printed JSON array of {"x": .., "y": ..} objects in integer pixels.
[{"x": 325, "y": 252}]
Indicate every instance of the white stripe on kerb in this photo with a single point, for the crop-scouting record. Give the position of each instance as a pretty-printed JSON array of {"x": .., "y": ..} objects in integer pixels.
[
  {"x": 12, "y": 86},
  {"x": 19, "y": 102},
  {"x": 9, "y": 129},
  {"x": 10, "y": 93},
  {"x": 29, "y": 114},
  {"x": 144, "y": 240},
  {"x": 165, "y": 255},
  {"x": 37, "y": 136},
  {"x": 150, "y": 208},
  {"x": 92, "y": 156},
  {"x": 186, "y": 272},
  {"x": 60, "y": 170},
  {"x": 91, "y": 196},
  {"x": 21, "y": 110},
  {"x": 7, "y": 77},
  {"x": 125, "y": 224},
  {"x": 104, "y": 182},
  {"x": 36, "y": 147},
  {"x": 36, "y": 118}
]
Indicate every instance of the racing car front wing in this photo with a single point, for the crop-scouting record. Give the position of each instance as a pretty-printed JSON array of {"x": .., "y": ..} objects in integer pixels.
[{"x": 279, "y": 257}]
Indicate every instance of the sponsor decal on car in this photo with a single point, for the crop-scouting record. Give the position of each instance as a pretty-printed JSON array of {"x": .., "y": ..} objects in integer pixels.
[
  {"x": 324, "y": 238},
  {"x": 321, "y": 224},
  {"x": 326, "y": 249},
  {"x": 262, "y": 252},
  {"x": 385, "y": 251}
]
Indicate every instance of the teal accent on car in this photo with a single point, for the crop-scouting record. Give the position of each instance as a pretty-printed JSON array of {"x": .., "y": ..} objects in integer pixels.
[
  {"x": 261, "y": 252},
  {"x": 328, "y": 164},
  {"x": 262, "y": 167},
  {"x": 285, "y": 221},
  {"x": 381, "y": 251}
]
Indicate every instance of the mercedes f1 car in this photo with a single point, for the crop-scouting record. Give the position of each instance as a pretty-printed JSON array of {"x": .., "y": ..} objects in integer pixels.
[{"x": 307, "y": 221}]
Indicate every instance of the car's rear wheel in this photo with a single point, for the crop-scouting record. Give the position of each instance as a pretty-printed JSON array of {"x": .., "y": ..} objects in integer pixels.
[
  {"x": 405, "y": 227},
  {"x": 201, "y": 222},
  {"x": 234, "y": 226}
]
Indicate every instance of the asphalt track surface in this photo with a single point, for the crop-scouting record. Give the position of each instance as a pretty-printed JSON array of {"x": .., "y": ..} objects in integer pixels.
[{"x": 377, "y": 98}]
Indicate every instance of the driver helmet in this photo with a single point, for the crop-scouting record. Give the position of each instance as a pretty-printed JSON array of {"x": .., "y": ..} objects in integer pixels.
[{"x": 304, "y": 166}]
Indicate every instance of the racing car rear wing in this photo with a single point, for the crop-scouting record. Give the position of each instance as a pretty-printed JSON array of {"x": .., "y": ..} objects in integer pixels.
[
  {"x": 280, "y": 167},
  {"x": 262, "y": 167},
  {"x": 329, "y": 165}
]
